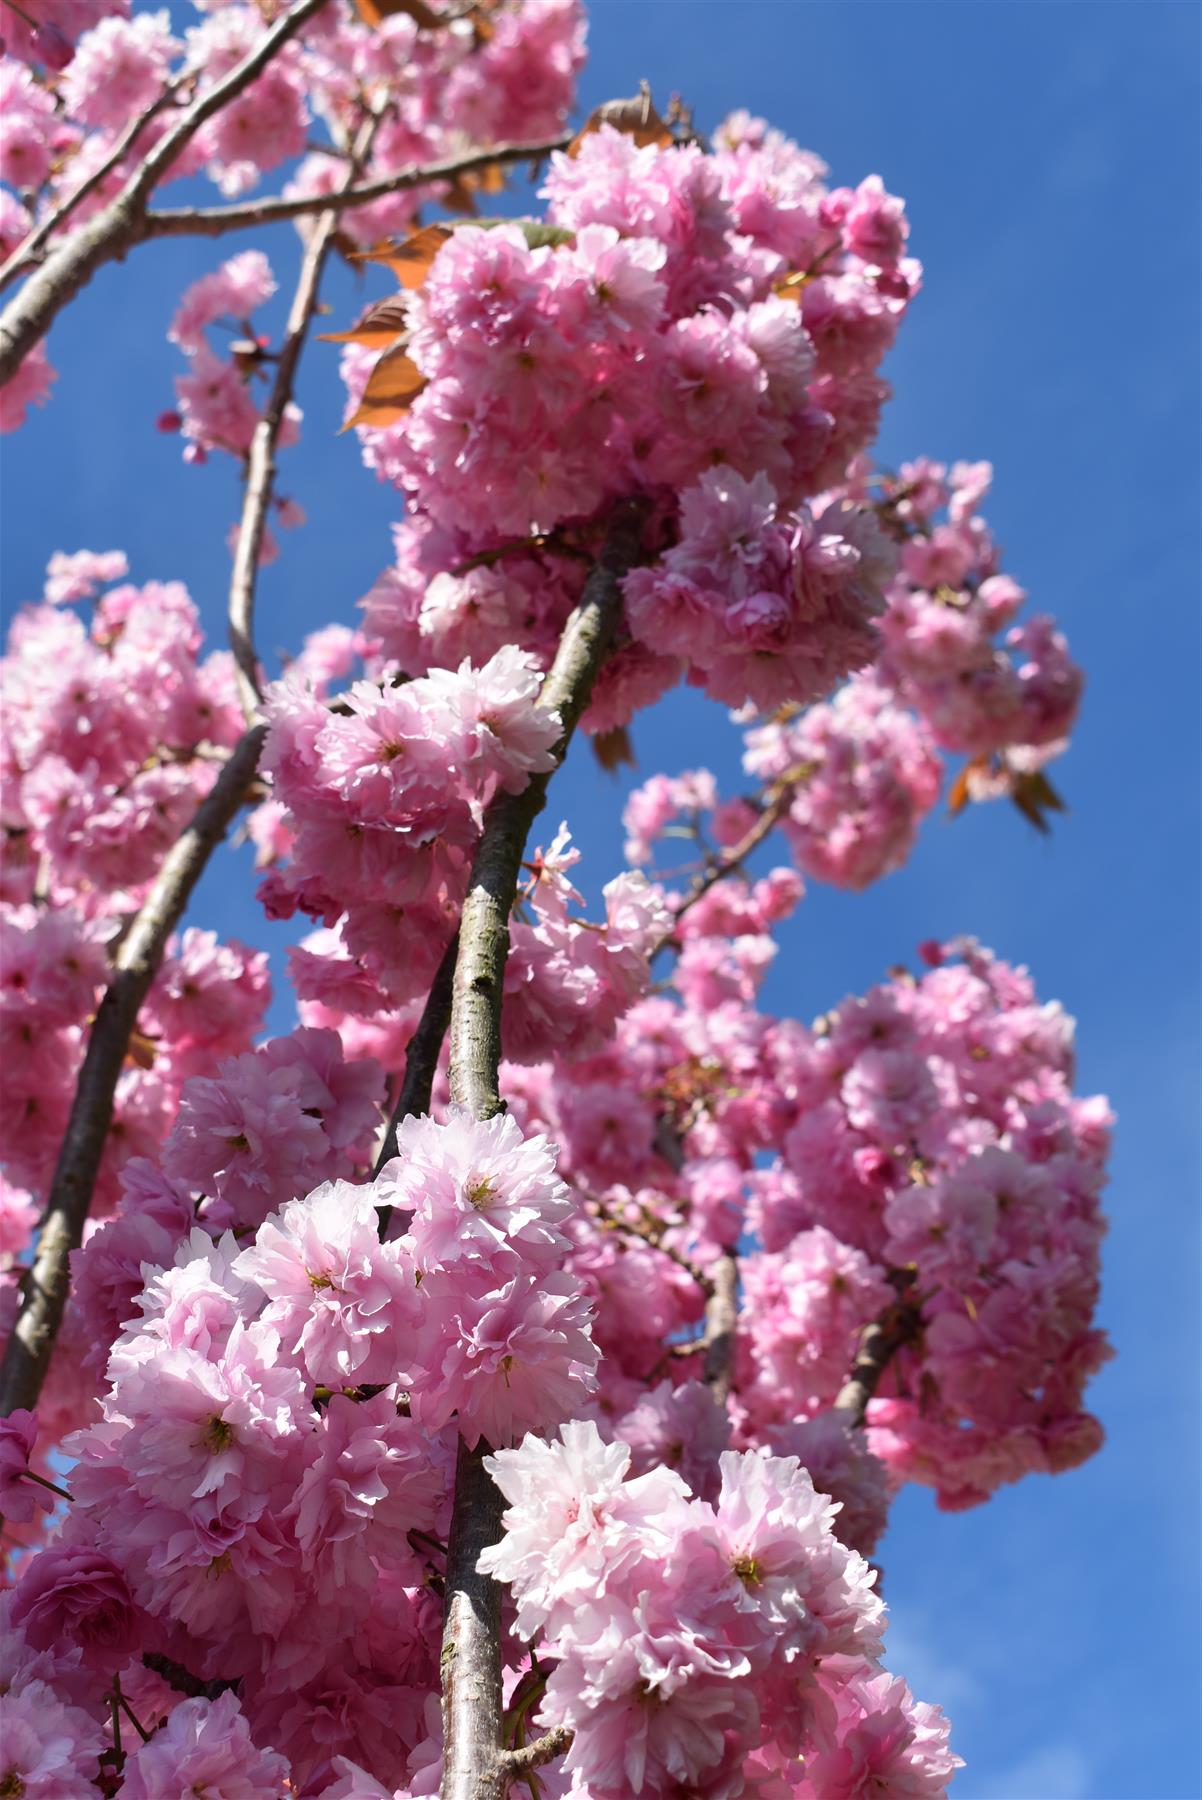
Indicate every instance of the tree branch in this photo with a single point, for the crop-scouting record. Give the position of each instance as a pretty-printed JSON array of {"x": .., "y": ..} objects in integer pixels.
[
  {"x": 121, "y": 224},
  {"x": 213, "y": 221},
  {"x": 880, "y": 1342},
  {"x": 484, "y": 927},
  {"x": 721, "y": 1316},
  {"x": 27, "y": 1353},
  {"x": 473, "y": 1768},
  {"x": 519, "y": 1763},
  {"x": 29, "y": 253},
  {"x": 260, "y": 467},
  {"x": 421, "y": 1057}
]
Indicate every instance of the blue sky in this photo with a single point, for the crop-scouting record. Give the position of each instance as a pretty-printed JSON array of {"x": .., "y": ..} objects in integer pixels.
[{"x": 1049, "y": 155}]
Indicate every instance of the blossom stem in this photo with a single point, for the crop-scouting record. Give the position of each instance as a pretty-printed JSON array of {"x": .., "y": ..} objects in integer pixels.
[
  {"x": 51, "y": 1486},
  {"x": 44, "y": 1290},
  {"x": 122, "y": 223}
]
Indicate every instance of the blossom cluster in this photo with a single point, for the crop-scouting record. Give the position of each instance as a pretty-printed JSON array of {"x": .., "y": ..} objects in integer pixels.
[
  {"x": 268, "y": 1477},
  {"x": 385, "y": 795},
  {"x": 701, "y": 1646},
  {"x": 946, "y": 608},
  {"x": 672, "y": 1243},
  {"x": 699, "y": 328},
  {"x": 917, "y": 1155}
]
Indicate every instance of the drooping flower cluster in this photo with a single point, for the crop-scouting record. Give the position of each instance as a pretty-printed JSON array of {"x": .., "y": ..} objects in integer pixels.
[
  {"x": 113, "y": 732},
  {"x": 1015, "y": 699},
  {"x": 385, "y": 796},
  {"x": 274, "y": 1452},
  {"x": 863, "y": 774},
  {"x": 216, "y": 402},
  {"x": 929, "y": 1164},
  {"x": 684, "y": 310},
  {"x": 698, "y": 1645},
  {"x": 109, "y": 730}
]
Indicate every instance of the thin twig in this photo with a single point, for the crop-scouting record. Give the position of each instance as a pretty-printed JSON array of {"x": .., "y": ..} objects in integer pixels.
[
  {"x": 111, "y": 232},
  {"x": 214, "y": 221},
  {"x": 615, "y": 1222},
  {"x": 777, "y": 804},
  {"x": 260, "y": 466},
  {"x": 44, "y": 1295},
  {"x": 51, "y": 1487}
]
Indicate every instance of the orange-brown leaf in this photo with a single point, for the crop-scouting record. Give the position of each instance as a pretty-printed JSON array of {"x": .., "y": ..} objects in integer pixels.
[
  {"x": 613, "y": 748},
  {"x": 379, "y": 327},
  {"x": 635, "y": 116},
  {"x": 957, "y": 798},
  {"x": 141, "y": 1052},
  {"x": 410, "y": 261},
  {"x": 793, "y": 285},
  {"x": 392, "y": 387},
  {"x": 423, "y": 16}
]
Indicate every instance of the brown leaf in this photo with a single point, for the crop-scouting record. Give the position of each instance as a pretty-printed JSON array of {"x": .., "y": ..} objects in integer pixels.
[
  {"x": 635, "y": 116},
  {"x": 793, "y": 285},
  {"x": 141, "y": 1052},
  {"x": 1035, "y": 797},
  {"x": 379, "y": 327},
  {"x": 392, "y": 387},
  {"x": 613, "y": 748},
  {"x": 423, "y": 16},
  {"x": 958, "y": 795},
  {"x": 410, "y": 261}
]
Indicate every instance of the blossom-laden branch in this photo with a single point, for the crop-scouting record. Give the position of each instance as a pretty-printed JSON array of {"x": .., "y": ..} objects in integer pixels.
[
  {"x": 111, "y": 232},
  {"x": 260, "y": 466},
  {"x": 773, "y": 809},
  {"x": 484, "y": 927},
  {"x": 29, "y": 253},
  {"x": 27, "y": 1353},
  {"x": 215, "y": 221},
  {"x": 880, "y": 1342},
  {"x": 474, "y": 1766}
]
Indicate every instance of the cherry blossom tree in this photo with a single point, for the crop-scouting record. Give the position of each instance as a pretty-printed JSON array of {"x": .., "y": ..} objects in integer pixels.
[{"x": 499, "y": 1381}]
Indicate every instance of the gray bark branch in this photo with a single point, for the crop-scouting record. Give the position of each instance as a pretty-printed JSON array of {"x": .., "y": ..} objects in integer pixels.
[
  {"x": 27, "y": 1353},
  {"x": 721, "y": 1317},
  {"x": 474, "y": 1766},
  {"x": 880, "y": 1342},
  {"x": 214, "y": 221}
]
